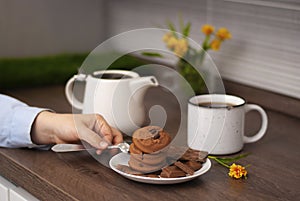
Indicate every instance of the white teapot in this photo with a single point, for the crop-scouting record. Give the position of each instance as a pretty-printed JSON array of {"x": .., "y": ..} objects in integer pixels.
[{"x": 118, "y": 95}]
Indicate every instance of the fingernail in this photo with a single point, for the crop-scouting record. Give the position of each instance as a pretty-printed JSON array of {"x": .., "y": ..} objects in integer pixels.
[
  {"x": 98, "y": 152},
  {"x": 103, "y": 144}
]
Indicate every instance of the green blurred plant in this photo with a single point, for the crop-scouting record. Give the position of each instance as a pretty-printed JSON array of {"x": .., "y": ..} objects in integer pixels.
[{"x": 50, "y": 70}]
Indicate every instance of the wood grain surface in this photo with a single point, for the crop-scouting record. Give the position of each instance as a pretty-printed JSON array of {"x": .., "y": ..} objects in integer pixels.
[{"x": 274, "y": 172}]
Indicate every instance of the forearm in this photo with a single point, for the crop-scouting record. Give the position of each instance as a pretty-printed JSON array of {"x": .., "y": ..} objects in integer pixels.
[
  {"x": 41, "y": 132},
  {"x": 53, "y": 128}
]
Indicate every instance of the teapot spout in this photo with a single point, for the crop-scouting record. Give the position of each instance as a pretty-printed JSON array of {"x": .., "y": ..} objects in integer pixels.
[{"x": 141, "y": 84}]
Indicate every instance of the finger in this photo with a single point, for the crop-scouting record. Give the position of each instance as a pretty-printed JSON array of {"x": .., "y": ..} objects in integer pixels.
[
  {"x": 94, "y": 139},
  {"x": 117, "y": 136},
  {"x": 104, "y": 129}
]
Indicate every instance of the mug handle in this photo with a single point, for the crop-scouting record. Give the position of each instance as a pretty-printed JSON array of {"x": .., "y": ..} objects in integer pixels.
[
  {"x": 262, "y": 131},
  {"x": 69, "y": 91}
]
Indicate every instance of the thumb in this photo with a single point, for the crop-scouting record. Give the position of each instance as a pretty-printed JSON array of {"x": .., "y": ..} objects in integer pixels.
[{"x": 94, "y": 139}]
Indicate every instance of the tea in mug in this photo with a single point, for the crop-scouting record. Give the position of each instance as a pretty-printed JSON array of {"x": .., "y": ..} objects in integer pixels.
[{"x": 216, "y": 104}]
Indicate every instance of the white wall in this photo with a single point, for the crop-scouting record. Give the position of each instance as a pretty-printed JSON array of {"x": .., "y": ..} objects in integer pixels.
[
  {"x": 265, "y": 48},
  {"x": 264, "y": 51},
  {"x": 42, "y": 27}
]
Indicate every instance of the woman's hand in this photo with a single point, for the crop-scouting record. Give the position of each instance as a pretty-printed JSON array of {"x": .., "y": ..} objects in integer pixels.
[{"x": 53, "y": 128}]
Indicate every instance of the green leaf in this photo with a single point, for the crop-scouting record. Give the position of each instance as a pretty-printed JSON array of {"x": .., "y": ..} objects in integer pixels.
[
  {"x": 152, "y": 54},
  {"x": 171, "y": 26},
  {"x": 232, "y": 159},
  {"x": 181, "y": 23},
  {"x": 187, "y": 29}
]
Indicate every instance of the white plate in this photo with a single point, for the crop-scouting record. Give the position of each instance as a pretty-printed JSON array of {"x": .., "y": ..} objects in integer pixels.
[{"x": 123, "y": 158}]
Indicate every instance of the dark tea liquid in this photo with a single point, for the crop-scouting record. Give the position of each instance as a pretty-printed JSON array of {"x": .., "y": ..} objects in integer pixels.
[{"x": 216, "y": 105}]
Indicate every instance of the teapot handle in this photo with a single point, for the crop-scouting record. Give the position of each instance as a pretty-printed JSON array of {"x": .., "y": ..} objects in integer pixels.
[{"x": 69, "y": 91}]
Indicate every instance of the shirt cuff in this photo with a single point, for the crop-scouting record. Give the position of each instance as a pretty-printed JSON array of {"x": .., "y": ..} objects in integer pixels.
[{"x": 24, "y": 117}]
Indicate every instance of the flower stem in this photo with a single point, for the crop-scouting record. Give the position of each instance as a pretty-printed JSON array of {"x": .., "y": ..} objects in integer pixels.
[
  {"x": 205, "y": 43},
  {"x": 219, "y": 161}
]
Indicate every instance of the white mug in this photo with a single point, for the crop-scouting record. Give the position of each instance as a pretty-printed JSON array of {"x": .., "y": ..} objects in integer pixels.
[
  {"x": 216, "y": 123},
  {"x": 118, "y": 95}
]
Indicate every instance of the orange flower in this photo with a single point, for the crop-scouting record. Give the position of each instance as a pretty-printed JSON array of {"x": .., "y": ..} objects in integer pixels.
[
  {"x": 215, "y": 44},
  {"x": 223, "y": 34},
  {"x": 237, "y": 171},
  {"x": 207, "y": 29}
]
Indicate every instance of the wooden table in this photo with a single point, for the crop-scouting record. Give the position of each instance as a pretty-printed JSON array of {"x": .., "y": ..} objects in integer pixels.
[{"x": 273, "y": 174}]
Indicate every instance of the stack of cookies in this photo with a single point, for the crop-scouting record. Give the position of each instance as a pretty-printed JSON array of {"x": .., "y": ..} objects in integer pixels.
[{"x": 148, "y": 150}]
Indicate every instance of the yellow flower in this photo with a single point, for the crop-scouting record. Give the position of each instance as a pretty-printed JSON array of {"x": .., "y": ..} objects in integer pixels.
[
  {"x": 215, "y": 44},
  {"x": 207, "y": 29},
  {"x": 181, "y": 47},
  {"x": 223, "y": 34},
  {"x": 237, "y": 171},
  {"x": 172, "y": 42},
  {"x": 167, "y": 37}
]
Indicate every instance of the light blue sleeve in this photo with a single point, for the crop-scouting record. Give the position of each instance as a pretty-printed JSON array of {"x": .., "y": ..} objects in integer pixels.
[{"x": 16, "y": 119}]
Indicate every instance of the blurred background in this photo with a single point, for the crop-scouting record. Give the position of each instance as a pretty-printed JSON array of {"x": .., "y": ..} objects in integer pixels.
[{"x": 44, "y": 42}]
